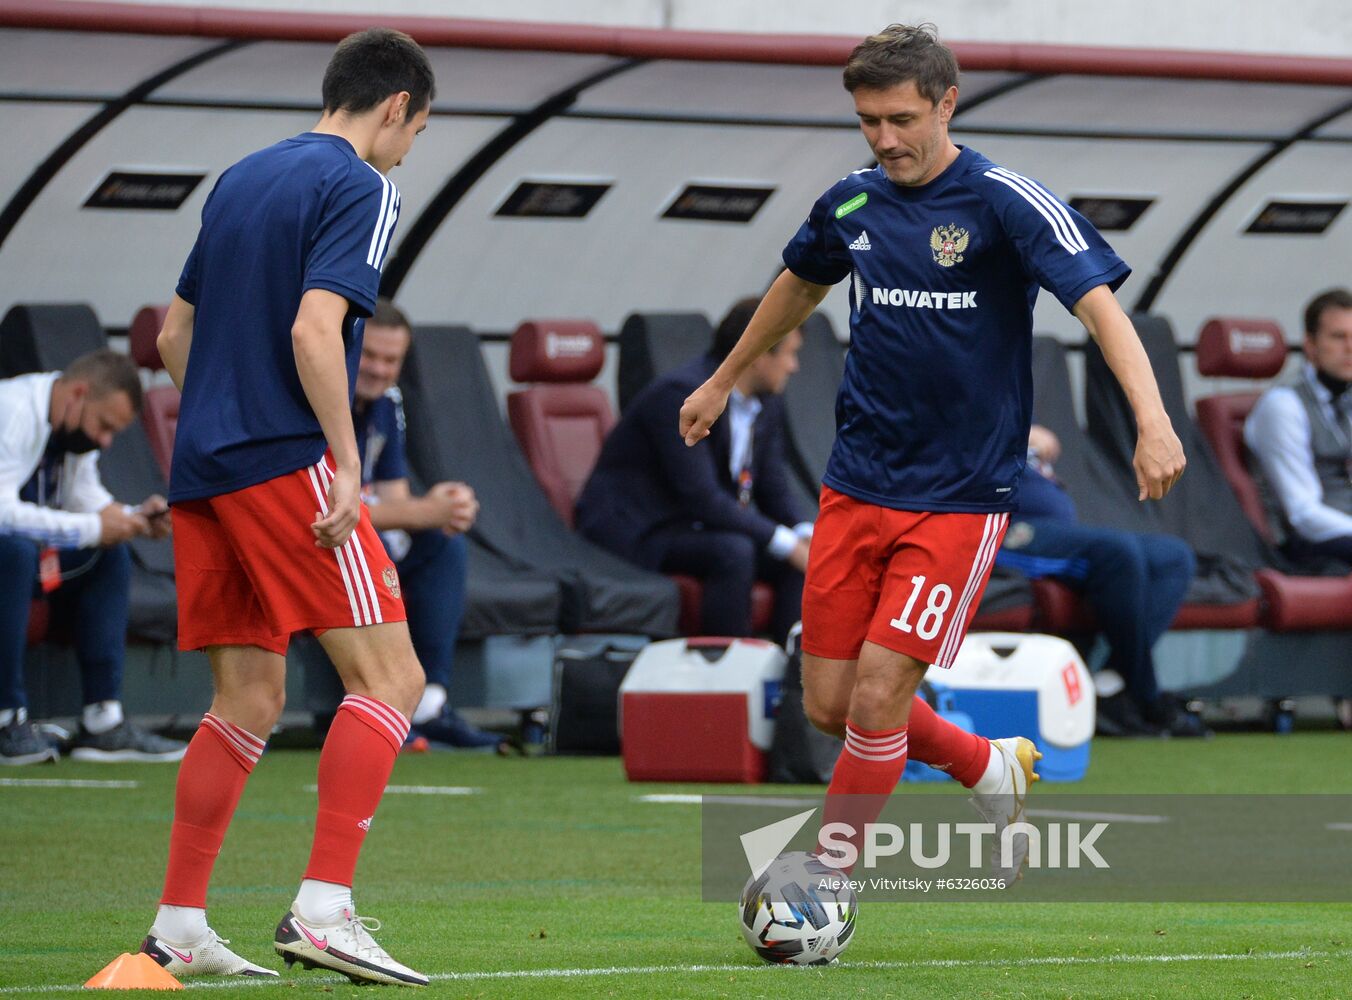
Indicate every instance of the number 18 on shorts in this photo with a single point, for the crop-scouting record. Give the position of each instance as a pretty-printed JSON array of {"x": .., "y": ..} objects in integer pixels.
[{"x": 906, "y": 580}]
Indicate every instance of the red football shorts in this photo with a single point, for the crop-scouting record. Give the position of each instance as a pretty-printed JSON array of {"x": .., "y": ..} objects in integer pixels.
[
  {"x": 907, "y": 580},
  {"x": 249, "y": 572}
]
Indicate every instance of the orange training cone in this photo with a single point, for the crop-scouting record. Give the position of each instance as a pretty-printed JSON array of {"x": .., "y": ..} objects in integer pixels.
[{"x": 133, "y": 972}]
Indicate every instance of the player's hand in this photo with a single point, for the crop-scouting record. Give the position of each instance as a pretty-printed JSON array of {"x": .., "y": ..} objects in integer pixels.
[
  {"x": 457, "y": 507},
  {"x": 1159, "y": 460},
  {"x": 116, "y": 525},
  {"x": 334, "y": 528},
  {"x": 798, "y": 557},
  {"x": 155, "y": 510},
  {"x": 699, "y": 412}
]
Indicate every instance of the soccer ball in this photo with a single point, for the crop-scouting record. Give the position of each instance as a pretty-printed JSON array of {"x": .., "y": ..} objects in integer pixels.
[{"x": 798, "y": 911}]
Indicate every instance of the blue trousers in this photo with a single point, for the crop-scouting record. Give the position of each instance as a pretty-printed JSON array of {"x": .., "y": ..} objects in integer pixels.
[
  {"x": 727, "y": 563},
  {"x": 91, "y": 603},
  {"x": 1134, "y": 582},
  {"x": 432, "y": 580}
]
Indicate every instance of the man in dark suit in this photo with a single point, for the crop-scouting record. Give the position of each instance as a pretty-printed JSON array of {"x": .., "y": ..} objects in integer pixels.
[{"x": 721, "y": 511}]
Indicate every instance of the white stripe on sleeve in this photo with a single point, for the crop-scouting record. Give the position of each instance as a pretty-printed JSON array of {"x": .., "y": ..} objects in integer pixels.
[{"x": 1048, "y": 207}]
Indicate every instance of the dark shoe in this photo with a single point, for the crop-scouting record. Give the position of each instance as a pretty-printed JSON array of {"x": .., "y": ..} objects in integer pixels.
[
  {"x": 21, "y": 743},
  {"x": 1177, "y": 720},
  {"x": 451, "y": 729},
  {"x": 125, "y": 742},
  {"x": 1119, "y": 716}
]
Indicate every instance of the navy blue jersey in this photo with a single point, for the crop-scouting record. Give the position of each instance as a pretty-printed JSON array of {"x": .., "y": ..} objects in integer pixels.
[
  {"x": 934, "y": 410},
  {"x": 305, "y": 213},
  {"x": 380, "y": 439}
]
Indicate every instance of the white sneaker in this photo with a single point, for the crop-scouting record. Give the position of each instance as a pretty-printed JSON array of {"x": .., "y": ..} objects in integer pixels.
[
  {"x": 1007, "y": 804},
  {"x": 207, "y": 957},
  {"x": 345, "y": 947}
]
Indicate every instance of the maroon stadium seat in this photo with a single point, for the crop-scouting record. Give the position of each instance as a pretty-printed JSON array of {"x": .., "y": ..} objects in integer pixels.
[
  {"x": 1245, "y": 348},
  {"x": 1237, "y": 348},
  {"x": 562, "y": 420},
  {"x": 159, "y": 413}
]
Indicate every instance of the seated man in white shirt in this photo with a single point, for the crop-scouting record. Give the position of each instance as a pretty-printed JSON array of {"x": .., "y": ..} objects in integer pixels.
[
  {"x": 1301, "y": 435},
  {"x": 62, "y": 533}
]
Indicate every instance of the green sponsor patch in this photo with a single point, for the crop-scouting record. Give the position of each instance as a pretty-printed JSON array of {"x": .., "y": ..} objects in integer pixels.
[{"x": 858, "y": 201}]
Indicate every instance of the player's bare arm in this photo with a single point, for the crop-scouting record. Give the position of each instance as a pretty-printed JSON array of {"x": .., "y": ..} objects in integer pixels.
[
  {"x": 788, "y": 303},
  {"x": 317, "y": 339},
  {"x": 175, "y": 339},
  {"x": 1159, "y": 459}
]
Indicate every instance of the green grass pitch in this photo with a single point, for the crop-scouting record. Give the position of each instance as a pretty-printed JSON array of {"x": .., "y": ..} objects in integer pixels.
[{"x": 553, "y": 881}]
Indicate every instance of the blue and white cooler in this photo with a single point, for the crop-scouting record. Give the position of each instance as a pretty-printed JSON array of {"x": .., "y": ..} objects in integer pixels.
[{"x": 1012, "y": 684}]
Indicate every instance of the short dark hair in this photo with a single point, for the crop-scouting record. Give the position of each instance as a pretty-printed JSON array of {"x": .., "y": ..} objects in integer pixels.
[
  {"x": 899, "y": 53},
  {"x": 369, "y": 66},
  {"x": 733, "y": 326},
  {"x": 388, "y": 314},
  {"x": 106, "y": 371},
  {"x": 1334, "y": 298}
]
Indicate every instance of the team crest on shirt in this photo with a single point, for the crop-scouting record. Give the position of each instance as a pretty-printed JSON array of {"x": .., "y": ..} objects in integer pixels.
[
  {"x": 391, "y": 581},
  {"x": 948, "y": 244}
]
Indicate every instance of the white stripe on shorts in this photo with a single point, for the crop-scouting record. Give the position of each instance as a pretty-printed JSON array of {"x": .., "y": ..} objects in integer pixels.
[
  {"x": 322, "y": 498},
  {"x": 985, "y": 555}
]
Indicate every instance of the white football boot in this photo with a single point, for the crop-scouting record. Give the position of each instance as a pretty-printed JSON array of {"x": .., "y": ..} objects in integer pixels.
[
  {"x": 207, "y": 957},
  {"x": 1008, "y": 803},
  {"x": 345, "y": 947}
]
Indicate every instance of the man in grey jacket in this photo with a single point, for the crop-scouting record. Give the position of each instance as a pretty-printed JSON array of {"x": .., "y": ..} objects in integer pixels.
[
  {"x": 1301, "y": 434},
  {"x": 63, "y": 534}
]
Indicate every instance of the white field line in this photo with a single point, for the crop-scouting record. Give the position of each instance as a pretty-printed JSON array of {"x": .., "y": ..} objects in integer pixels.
[
  {"x": 682, "y": 799},
  {"x": 1102, "y": 817},
  {"x": 646, "y": 970},
  {"x": 1338, "y": 826},
  {"x": 65, "y": 783},
  {"x": 420, "y": 789},
  {"x": 770, "y": 800}
]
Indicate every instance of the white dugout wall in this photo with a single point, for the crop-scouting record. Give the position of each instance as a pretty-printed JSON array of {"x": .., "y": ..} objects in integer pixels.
[{"x": 1204, "y": 144}]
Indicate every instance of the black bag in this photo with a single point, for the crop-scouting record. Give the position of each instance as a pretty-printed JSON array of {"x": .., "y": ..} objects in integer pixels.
[
  {"x": 584, "y": 718},
  {"x": 800, "y": 753}
]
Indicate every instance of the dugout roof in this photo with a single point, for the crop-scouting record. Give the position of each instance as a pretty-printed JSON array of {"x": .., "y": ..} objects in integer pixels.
[{"x": 1204, "y": 147}]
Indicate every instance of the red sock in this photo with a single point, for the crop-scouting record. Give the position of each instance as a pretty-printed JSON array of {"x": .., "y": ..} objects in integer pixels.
[
  {"x": 211, "y": 778},
  {"x": 867, "y": 771},
  {"x": 937, "y": 742},
  {"x": 354, "y": 768}
]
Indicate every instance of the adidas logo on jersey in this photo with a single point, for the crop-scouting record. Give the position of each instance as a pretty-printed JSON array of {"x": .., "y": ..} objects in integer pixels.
[
  {"x": 916, "y": 299},
  {"x": 862, "y": 242}
]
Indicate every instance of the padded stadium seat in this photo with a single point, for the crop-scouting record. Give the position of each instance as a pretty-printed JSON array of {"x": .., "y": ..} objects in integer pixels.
[
  {"x": 1103, "y": 488},
  {"x": 653, "y": 343},
  {"x": 810, "y": 404},
  {"x": 1060, "y": 610},
  {"x": 455, "y": 432},
  {"x": 45, "y": 338},
  {"x": 1231, "y": 347},
  {"x": 562, "y": 423},
  {"x": 159, "y": 413},
  {"x": 131, "y": 473},
  {"x": 1237, "y": 348}
]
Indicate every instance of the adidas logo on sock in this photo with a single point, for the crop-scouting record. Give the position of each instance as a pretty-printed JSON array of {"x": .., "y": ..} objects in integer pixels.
[
  {"x": 365, "y": 824},
  {"x": 862, "y": 242}
]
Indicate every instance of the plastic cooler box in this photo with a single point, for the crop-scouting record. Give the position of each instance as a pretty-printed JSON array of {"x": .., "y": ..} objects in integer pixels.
[
  {"x": 1037, "y": 686},
  {"x": 700, "y": 710}
]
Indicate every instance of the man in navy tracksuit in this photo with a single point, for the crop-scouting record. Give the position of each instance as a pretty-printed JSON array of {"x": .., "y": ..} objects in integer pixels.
[{"x": 1133, "y": 581}]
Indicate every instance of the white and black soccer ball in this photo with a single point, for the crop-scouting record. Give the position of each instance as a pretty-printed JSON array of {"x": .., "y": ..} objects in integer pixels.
[{"x": 798, "y": 911}]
